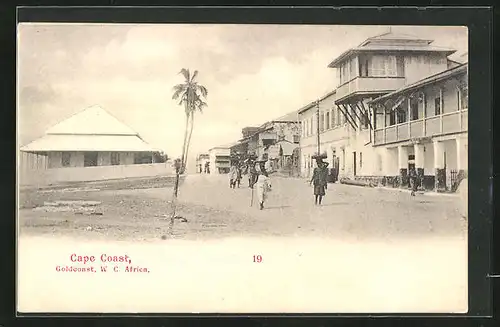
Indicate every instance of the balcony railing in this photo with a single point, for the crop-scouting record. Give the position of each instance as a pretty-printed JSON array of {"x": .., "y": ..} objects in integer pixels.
[
  {"x": 369, "y": 84},
  {"x": 448, "y": 123}
]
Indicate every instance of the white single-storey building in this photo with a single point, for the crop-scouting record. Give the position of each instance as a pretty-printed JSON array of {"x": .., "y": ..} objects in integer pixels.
[{"x": 92, "y": 137}]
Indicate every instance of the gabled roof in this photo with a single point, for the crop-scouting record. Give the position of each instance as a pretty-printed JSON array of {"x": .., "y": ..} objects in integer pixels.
[
  {"x": 461, "y": 69},
  {"x": 392, "y": 42},
  {"x": 91, "y": 121}
]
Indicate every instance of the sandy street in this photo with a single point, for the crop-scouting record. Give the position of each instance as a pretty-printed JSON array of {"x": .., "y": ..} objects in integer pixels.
[{"x": 365, "y": 250}]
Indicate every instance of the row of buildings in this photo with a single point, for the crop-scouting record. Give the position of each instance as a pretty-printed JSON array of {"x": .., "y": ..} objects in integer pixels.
[{"x": 401, "y": 104}]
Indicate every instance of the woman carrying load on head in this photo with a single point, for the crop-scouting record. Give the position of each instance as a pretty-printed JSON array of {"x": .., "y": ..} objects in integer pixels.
[{"x": 319, "y": 179}]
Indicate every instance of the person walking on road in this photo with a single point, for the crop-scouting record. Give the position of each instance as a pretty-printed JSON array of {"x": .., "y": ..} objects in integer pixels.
[
  {"x": 238, "y": 175},
  {"x": 233, "y": 175},
  {"x": 319, "y": 180},
  {"x": 263, "y": 186}
]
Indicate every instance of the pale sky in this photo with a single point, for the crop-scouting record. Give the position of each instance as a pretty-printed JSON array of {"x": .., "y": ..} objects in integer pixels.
[{"x": 253, "y": 73}]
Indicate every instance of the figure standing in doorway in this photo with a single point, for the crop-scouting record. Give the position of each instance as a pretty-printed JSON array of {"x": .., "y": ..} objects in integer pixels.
[{"x": 319, "y": 180}]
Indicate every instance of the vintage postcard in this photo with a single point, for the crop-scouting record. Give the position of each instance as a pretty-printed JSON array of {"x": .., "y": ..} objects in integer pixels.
[{"x": 184, "y": 168}]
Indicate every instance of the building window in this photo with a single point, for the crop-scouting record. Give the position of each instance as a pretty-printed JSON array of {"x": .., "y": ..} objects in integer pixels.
[
  {"x": 90, "y": 159},
  {"x": 361, "y": 160},
  {"x": 66, "y": 159},
  {"x": 334, "y": 113},
  {"x": 392, "y": 118},
  {"x": 414, "y": 108},
  {"x": 401, "y": 115},
  {"x": 327, "y": 120},
  {"x": 382, "y": 66},
  {"x": 321, "y": 122},
  {"x": 296, "y": 139},
  {"x": 115, "y": 158},
  {"x": 464, "y": 98},
  {"x": 437, "y": 106}
]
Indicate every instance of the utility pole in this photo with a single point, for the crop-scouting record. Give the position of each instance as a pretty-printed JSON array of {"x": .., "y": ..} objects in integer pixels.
[{"x": 317, "y": 126}]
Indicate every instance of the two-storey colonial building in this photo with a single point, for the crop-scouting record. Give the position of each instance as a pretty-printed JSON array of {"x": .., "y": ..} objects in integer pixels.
[
  {"x": 378, "y": 66},
  {"x": 394, "y": 91},
  {"x": 424, "y": 126}
]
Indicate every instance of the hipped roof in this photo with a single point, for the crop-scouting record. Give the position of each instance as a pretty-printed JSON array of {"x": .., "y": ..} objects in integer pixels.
[
  {"x": 93, "y": 129},
  {"x": 401, "y": 42},
  {"x": 67, "y": 142},
  {"x": 93, "y": 120}
]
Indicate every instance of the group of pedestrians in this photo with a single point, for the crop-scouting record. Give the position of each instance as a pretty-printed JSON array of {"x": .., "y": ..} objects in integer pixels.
[
  {"x": 259, "y": 181},
  {"x": 258, "y": 178}
]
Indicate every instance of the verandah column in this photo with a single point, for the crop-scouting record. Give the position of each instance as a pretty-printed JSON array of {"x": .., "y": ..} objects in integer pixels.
[
  {"x": 462, "y": 157},
  {"x": 419, "y": 162},
  {"x": 440, "y": 173},
  {"x": 403, "y": 165}
]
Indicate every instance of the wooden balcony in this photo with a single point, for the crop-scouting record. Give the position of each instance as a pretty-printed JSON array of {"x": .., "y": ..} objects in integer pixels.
[
  {"x": 369, "y": 85},
  {"x": 448, "y": 123}
]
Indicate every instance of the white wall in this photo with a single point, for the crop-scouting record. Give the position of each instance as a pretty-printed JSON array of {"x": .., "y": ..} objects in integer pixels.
[
  {"x": 421, "y": 66},
  {"x": 97, "y": 173}
]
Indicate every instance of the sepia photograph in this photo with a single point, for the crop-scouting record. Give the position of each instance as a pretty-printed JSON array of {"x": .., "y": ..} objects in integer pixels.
[{"x": 242, "y": 168}]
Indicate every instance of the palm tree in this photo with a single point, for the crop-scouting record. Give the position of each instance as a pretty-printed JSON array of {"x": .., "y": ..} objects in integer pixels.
[{"x": 191, "y": 95}]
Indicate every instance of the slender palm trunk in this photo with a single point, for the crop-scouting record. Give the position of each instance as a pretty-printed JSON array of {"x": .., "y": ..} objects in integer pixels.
[
  {"x": 183, "y": 157},
  {"x": 189, "y": 137},
  {"x": 177, "y": 176}
]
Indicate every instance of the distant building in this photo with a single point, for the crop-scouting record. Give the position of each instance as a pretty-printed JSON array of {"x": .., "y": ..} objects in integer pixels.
[
  {"x": 276, "y": 141},
  {"x": 202, "y": 163},
  {"x": 220, "y": 159},
  {"x": 92, "y": 137}
]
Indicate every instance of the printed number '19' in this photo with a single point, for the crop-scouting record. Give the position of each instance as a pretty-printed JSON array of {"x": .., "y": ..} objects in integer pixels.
[{"x": 257, "y": 258}]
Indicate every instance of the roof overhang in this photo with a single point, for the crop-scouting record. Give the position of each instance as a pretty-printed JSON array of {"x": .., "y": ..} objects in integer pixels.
[
  {"x": 357, "y": 96},
  {"x": 351, "y": 52}
]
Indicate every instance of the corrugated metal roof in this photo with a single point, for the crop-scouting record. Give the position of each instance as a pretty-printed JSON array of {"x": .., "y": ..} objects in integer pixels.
[
  {"x": 58, "y": 142},
  {"x": 93, "y": 120}
]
